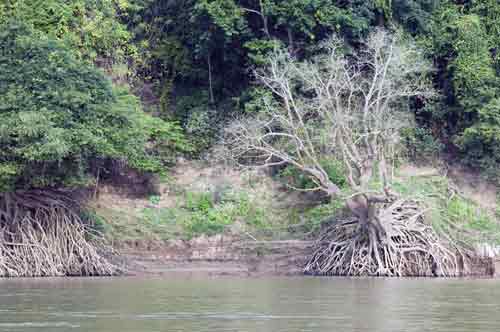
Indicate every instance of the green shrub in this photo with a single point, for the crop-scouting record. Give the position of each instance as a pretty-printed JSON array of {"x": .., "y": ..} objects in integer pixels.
[
  {"x": 198, "y": 201},
  {"x": 199, "y": 120},
  {"x": 451, "y": 214},
  {"x": 334, "y": 168},
  {"x": 205, "y": 216},
  {"x": 420, "y": 144},
  {"x": 210, "y": 222},
  {"x": 473, "y": 218},
  {"x": 61, "y": 120},
  {"x": 92, "y": 29},
  {"x": 323, "y": 213}
]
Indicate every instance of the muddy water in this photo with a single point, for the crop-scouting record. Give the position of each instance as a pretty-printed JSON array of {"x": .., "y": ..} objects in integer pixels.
[{"x": 249, "y": 305}]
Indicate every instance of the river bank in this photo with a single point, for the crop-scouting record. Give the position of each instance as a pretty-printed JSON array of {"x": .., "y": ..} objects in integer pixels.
[
  {"x": 216, "y": 256},
  {"x": 262, "y": 228},
  {"x": 230, "y": 256}
]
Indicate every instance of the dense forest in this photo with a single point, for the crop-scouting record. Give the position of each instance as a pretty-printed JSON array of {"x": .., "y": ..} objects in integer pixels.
[{"x": 318, "y": 90}]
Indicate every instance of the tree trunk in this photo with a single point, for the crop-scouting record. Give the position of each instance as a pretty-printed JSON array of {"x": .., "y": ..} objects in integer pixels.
[
  {"x": 291, "y": 46},
  {"x": 264, "y": 20},
  {"x": 367, "y": 214},
  {"x": 211, "y": 90}
]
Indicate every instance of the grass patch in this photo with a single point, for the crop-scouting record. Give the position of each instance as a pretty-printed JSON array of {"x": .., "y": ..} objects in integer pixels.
[
  {"x": 450, "y": 213},
  {"x": 146, "y": 224},
  {"x": 194, "y": 214}
]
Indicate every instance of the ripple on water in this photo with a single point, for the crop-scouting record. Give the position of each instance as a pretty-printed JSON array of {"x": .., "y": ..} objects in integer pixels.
[{"x": 39, "y": 325}]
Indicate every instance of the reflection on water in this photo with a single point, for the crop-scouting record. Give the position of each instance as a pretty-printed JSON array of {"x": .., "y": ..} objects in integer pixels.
[{"x": 249, "y": 305}]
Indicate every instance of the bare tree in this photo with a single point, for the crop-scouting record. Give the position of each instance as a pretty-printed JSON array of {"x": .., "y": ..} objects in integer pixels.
[{"x": 350, "y": 106}]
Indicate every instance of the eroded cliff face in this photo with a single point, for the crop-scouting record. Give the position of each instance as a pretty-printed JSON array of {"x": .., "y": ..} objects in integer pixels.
[
  {"x": 217, "y": 256},
  {"x": 231, "y": 256},
  {"x": 237, "y": 252}
]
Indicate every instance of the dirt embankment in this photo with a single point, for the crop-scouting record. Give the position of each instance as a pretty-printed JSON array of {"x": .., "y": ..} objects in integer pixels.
[
  {"x": 217, "y": 256},
  {"x": 230, "y": 256}
]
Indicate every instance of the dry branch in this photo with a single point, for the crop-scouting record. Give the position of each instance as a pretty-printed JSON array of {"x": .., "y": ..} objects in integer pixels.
[{"x": 352, "y": 108}]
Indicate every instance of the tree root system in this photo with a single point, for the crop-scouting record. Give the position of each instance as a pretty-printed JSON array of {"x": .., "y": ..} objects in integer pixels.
[
  {"x": 42, "y": 234},
  {"x": 410, "y": 247}
]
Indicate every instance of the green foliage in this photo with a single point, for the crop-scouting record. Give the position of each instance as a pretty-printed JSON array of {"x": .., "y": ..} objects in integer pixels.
[
  {"x": 8, "y": 173},
  {"x": 155, "y": 199},
  {"x": 201, "y": 129},
  {"x": 208, "y": 216},
  {"x": 463, "y": 41},
  {"x": 334, "y": 168},
  {"x": 449, "y": 213},
  {"x": 225, "y": 14},
  {"x": 94, "y": 220},
  {"x": 91, "y": 28},
  {"x": 259, "y": 50},
  {"x": 489, "y": 13},
  {"x": 420, "y": 144},
  {"x": 414, "y": 15},
  {"x": 472, "y": 66},
  {"x": 200, "y": 122},
  {"x": 319, "y": 215},
  {"x": 474, "y": 218},
  {"x": 61, "y": 119},
  {"x": 199, "y": 213},
  {"x": 254, "y": 100}
]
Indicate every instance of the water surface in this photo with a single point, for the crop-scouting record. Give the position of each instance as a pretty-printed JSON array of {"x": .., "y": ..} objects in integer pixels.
[{"x": 249, "y": 305}]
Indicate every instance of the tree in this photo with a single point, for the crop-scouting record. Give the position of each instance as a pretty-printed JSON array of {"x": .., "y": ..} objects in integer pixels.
[
  {"x": 463, "y": 43},
  {"x": 62, "y": 126},
  {"x": 414, "y": 15},
  {"x": 91, "y": 28},
  {"x": 353, "y": 108}
]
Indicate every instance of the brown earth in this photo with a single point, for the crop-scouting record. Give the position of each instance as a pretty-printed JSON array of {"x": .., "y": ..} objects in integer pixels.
[
  {"x": 216, "y": 256},
  {"x": 231, "y": 255},
  {"x": 468, "y": 183},
  {"x": 228, "y": 256}
]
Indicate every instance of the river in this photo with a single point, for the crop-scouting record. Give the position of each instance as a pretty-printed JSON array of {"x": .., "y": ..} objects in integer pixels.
[{"x": 249, "y": 305}]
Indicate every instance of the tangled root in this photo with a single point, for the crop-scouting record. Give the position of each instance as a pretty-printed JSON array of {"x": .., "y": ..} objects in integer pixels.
[
  {"x": 42, "y": 234},
  {"x": 411, "y": 248}
]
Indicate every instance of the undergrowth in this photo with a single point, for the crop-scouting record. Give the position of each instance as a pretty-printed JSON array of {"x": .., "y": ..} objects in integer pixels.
[
  {"x": 256, "y": 214},
  {"x": 450, "y": 213},
  {"x": 195, "y": 214}
]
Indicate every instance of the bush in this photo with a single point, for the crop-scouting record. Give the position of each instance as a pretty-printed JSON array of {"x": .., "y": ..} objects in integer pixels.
[
  {"x": 91, "y": 28},
  {"x": 324, "y": 213},
  {"x": 450, "y": 214},
  {"x": 334, "y": 168},
  {"x": 420, "y": 144},
  {"x": 200, "y": 121},
  {"x": 206, "y": 216},
  {"x": 61, "y": 120}
]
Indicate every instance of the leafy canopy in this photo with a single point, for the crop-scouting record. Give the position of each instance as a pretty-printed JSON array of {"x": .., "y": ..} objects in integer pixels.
[
  {"x": 61, "y": 119},
  {"x": 93, "y": 29}
]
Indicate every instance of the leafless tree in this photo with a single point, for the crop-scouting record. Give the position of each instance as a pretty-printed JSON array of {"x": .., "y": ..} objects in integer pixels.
[{"x": 350, "y": 106}]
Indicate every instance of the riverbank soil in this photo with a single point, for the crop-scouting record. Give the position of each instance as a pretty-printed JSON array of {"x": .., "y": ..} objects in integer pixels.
[
  {"x": 229, "y": 256},
  {"x": 217, "y": 256},
  {"x": 256, "y": 226}
]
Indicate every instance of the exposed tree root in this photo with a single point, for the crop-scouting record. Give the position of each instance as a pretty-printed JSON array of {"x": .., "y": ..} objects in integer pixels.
[
  {"x": 42, "y": 234},
  {"x": 410, "y": 248}
]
